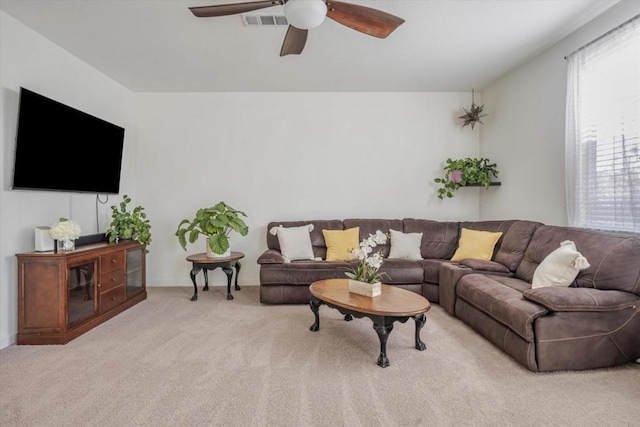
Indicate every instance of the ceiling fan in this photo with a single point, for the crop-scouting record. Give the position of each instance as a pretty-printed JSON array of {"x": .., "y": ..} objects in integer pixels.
[{"x": 303, "y": 15}]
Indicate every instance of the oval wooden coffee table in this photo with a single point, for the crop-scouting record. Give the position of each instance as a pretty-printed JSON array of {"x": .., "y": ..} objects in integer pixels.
[{"x": 395, "y": 304}]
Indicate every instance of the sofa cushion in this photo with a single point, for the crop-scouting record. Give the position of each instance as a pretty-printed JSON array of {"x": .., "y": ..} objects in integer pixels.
[
  {"x": 431, "y": 269},
  {"x": 476, "y": 244},
  {"x": 614, "y": 256},
  {"x": 439, "y": 239},
  {"x": 514, "y": 243},
  {"x": 341, "y": 243},
  {"x": 560, "y": 267},
  {"x": 317, "y": 238},
  {"x": 581, "y": 299},
  {"x": 503, "y": 303},
  {"x": 401, "y": 271},
  {"x": 484, "y": 265},
  {"x": 295, "y": 242},
  {"x": 405, "y": 245},
  {"x": 371, "y": 225},
  {"x": 302, "y": 272},
  {"x": 491, "y": 226}
]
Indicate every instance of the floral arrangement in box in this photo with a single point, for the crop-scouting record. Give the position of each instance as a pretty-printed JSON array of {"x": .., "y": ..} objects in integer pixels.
[
  {"x": 370, "y": 262},
  {"x": 65, "y": 232}
]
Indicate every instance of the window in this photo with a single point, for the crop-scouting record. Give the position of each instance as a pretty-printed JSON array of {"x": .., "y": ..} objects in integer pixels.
[{"x": 603, "y": 131}]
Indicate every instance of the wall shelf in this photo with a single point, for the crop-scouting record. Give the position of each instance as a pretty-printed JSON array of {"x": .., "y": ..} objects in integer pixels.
[{"x": 493, "y": 184}]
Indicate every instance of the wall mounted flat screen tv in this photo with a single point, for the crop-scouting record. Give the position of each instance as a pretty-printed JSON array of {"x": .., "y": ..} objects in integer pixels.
[{"x": 60, "y": 148}]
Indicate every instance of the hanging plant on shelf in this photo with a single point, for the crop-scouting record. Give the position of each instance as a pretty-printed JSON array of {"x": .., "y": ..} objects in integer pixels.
[{"x": 473, "y": 115}]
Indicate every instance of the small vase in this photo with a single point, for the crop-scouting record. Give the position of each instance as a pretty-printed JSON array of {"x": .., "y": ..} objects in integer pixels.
[
  {"x": 364, "y": 288},
  {"x": 456, "y": 176},
  {"x": 67, "y": 245}
]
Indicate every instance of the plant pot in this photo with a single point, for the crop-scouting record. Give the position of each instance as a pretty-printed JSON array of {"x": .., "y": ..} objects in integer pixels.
[
  {"x": 456, "y": 176},
  {"x": 211, "y": 254},
  {"x": 364, "y": 288}
]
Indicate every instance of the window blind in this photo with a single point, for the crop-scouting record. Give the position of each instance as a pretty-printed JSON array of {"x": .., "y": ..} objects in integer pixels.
[{"x": 603, "y": 132}]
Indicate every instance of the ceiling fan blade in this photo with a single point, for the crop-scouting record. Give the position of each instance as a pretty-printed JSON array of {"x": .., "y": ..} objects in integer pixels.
[
  {"x": 369, "y": 21},
  {"x": 294, "y": 41},
  {"x": 232, "y": 8}
]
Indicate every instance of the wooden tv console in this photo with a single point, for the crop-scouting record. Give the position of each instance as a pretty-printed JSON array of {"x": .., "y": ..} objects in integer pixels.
[{"x": 63, "y": 295}]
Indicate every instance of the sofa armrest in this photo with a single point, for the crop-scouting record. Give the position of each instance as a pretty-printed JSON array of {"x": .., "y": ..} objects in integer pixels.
[
  {"x": 581, "y": 299},
  {"x": 271, "y": 256},
  {"x": 481, "y": 265}
]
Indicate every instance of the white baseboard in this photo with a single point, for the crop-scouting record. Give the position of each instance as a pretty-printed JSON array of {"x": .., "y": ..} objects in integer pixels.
[{"x": 187, "y": 283}]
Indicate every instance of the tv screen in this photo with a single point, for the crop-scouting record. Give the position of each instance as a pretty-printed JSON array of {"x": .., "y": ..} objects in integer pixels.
[{"x": 60, "y": 148}]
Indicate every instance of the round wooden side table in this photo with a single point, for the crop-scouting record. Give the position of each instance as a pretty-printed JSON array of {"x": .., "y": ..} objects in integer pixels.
[{"x": 202, "y": 262}]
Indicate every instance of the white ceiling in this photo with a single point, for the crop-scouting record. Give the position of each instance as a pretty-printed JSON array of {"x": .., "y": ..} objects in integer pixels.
[{"x": 444, "y": 45}]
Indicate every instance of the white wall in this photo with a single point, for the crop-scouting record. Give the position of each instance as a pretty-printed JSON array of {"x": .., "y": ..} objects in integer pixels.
[
  {"x": 524, "y": 132},
  {"x": 29, "y": 60},
  {"x": 293, "y": 156}
]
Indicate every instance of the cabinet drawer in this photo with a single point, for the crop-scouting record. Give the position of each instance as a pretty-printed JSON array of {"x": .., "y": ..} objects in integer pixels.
[
  {"x": 112, "y": 298},
  {"x": 111, "y": 261},
  {"x": 111, "y": 279}
]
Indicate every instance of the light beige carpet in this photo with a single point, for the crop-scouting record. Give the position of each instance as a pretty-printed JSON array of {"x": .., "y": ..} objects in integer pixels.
[{"x": 172, "y": 362}]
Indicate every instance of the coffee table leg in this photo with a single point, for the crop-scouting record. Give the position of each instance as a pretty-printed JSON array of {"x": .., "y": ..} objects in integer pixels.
[
  {"x": 237, "y": 274},
  {"x": 193, "y": 273},
  {"x": 420, "y": 320},
  {"x": 315, "y": 305},
  {"x": 229, "y": 272},
  {"x": 206, "y": 279},
  {"x": 383, "y": 332}
]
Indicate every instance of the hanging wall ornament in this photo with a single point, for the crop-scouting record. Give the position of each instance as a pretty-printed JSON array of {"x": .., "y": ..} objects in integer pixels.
[{"x": 473, "y": 115}]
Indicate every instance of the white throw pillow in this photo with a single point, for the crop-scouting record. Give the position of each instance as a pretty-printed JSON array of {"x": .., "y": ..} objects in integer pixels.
[
  {"x": 295, "y": 242},
  {"x": 560, "y": 267},
  {"x": 405, "y": 245}
]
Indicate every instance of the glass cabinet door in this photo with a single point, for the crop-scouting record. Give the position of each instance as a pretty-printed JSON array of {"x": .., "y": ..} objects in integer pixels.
[
  {"x": 135, "y": 258},
  {"x": 81, "y": 296}
]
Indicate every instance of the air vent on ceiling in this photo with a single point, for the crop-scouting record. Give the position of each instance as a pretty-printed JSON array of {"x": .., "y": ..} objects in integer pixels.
[{"x": 264, "y": 20}]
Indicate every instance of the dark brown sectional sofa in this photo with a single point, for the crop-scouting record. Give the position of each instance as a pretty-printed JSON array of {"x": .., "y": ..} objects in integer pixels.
[{"x": 591, "y": 324}]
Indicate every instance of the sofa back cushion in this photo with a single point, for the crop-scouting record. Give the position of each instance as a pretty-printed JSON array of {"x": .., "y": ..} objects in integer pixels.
[
  {"x": 515, "y": 242},
  {"x": 370, "y": 226},
  {"x": 317, "y": 239},
  {"x": 439, "y": 239},
  {"x": 492, "y": 226},
  {"x": 614, "y": 257}
]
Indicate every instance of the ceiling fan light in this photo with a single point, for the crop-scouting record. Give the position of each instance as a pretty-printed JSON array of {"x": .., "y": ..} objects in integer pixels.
[{"x": 305, "y": 14}]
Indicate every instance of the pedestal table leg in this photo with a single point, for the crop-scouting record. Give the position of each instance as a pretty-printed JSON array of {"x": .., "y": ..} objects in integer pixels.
[
  {"x": 237, "y": 274},
  {"x": 229, "y": 272},
  {"x": 193, "y": 273},
  {"x": 420, "y": 320},
  {"x": 383, "y": 330},
  {"x": 315, "y": 305},
  {"x": 206, "y": 279}
]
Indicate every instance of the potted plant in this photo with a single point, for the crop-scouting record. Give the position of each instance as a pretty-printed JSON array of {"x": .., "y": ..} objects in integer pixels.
[
  {"x": 127, "y": 224},
  {"x": 463, "y": 172},
  {"x": 216, "y": 223}
]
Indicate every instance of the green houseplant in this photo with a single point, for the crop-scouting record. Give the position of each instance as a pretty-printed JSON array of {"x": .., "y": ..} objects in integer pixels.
[
  {"x": 129, "y": 224},
  {"x": 216, "y": 223},
  {"x": 463, "y": 172}
]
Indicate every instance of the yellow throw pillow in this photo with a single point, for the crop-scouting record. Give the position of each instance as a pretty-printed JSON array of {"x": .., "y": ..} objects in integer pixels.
[
  {"x": 476, "y": 244},
  {"x": 340, "y": 243}
]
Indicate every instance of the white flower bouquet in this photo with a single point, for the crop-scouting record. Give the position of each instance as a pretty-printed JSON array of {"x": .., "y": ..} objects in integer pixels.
[
  {"x": 370, "y": 262},
  {"x": 65, "y": 229}
]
